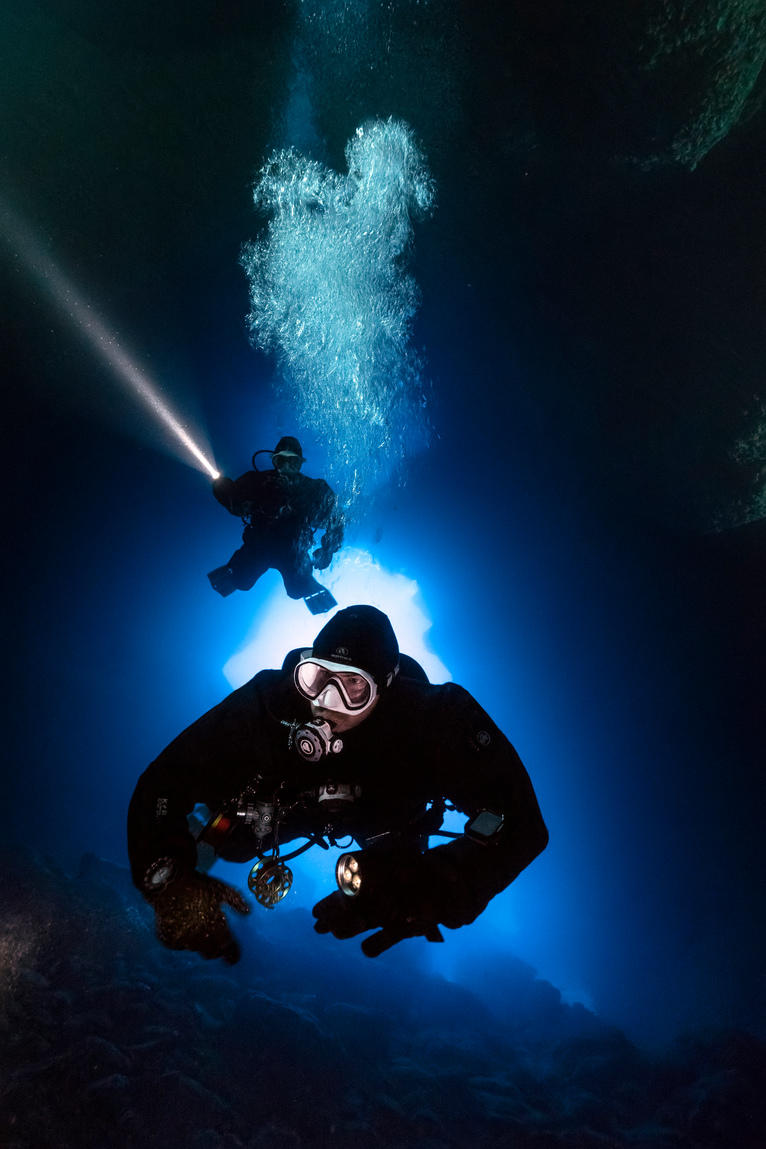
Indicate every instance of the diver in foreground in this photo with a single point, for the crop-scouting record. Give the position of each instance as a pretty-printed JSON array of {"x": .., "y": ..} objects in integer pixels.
[
  {"x": 281, "y": 509},
  {"x": 350, "y": 741}
]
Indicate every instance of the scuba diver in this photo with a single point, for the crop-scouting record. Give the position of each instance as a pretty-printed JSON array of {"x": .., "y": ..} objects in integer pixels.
[
  {"x": 281, "y": 509},
  {"x": 349, "y": 740}
]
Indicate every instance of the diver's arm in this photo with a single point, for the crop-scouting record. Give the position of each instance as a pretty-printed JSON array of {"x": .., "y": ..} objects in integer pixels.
[
  {"x": 188, "y": 905},
  {"x": 405, "y": 894},
  {"x": 331, "y": 519},
  {"x": 209, "y": 763},
  {"x": 237, "y": 495},
  {"x": 481, "y": 771},
  {"x": 222, "y": 489},
  {"x": 159, "y": 842}
]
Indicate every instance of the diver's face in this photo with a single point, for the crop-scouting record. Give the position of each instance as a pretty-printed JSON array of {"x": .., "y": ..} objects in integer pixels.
[
  {"x": 340, "y": 722},
  {"x": 342, "y": 696},
  {"x": 287, "y": 464}
]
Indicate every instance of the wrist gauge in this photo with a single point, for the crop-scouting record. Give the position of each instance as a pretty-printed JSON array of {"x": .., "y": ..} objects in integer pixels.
[
  {"x": 484, "y": 827},
  {"x": 160, "y": 874}
]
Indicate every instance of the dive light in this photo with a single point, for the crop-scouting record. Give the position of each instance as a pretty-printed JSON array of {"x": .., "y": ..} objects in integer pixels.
[
  {"x": 348, "y": 875},
  {"x": 368, "y": 871}
]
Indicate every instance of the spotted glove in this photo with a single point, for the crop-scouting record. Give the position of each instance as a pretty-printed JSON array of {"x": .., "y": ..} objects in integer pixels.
[{"x": 189, "y": 916}]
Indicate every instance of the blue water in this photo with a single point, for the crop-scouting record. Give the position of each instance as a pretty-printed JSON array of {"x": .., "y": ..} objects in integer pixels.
[{"x": 612, "y": 641}]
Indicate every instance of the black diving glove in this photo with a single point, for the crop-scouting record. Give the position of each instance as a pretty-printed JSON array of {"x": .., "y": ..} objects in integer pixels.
[
  {"x": 189, "y": 916},
  {"x": 404, "y": 896}
]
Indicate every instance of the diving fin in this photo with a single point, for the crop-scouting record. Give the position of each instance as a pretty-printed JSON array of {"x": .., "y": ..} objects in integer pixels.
[
  {"x": 320, "y": 601},
  {"x": 222, "y": 580}
]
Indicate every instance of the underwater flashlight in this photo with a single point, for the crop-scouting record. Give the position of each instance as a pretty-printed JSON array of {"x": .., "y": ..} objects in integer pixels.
[
  {"x": 381, "y": 898},
  {"x": 372, "y": 870},
  {"x": 348, "y": 876}
]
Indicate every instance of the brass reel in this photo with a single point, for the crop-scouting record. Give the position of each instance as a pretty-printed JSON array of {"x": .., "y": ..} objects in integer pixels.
[{"x": 270, "y": 882}]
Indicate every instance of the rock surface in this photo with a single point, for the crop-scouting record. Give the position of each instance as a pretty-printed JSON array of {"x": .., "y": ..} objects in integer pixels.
[{"x": 109, "y": 1040}]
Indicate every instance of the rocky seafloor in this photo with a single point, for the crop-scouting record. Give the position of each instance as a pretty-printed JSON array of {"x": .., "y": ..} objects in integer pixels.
[{"x": 108, "y": 1040}]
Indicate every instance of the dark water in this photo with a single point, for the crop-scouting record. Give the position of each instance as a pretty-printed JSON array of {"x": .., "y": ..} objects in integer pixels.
[{"x": 592, "y": 326}]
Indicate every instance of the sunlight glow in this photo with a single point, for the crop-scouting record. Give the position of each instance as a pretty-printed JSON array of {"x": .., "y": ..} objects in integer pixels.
[{"x": 355, "y": 577}]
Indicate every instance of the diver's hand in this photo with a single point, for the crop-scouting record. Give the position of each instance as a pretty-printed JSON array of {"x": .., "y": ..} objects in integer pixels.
[
  {"x": 321, "y": 559},
  {"x": 189, "y": 916},
  {"x": 378, "y": 943},
  {"x": 404, "y": 894},
  {"x": 345, "y": 917},
  {"x": 339, "y": 915},
  {"x": 457, "y": 896}
]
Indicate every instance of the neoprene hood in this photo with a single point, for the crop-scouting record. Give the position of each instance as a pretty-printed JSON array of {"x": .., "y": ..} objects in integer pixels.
[
  {"x": 360, "y": 636},
  {"x": 290, "y": 444}
]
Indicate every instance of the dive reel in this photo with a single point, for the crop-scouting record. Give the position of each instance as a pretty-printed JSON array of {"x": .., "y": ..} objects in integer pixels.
[
  {"x": 252, "y": 820},
  {"x": 270, "y": 881}
]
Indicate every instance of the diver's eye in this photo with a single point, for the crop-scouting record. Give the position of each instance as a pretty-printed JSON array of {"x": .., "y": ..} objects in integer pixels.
[{"x": 356, "y": 686}]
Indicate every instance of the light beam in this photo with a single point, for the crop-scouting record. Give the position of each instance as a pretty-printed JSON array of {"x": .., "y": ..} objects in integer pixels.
[{"x": 71, "y": 303}]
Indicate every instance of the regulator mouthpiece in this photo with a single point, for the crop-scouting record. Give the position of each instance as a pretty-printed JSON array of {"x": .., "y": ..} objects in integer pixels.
[{"x": 313, "y": 740}]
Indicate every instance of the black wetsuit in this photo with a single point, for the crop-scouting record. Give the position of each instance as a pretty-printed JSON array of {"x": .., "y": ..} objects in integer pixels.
[
  {"x": 282, "y": 512},
  {"x": 422, "y": 743}
]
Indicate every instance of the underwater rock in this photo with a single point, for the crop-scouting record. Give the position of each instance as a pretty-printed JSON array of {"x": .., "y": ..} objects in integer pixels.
[
  {"x": 207, "y": 1139},
  {"x": 178, "y": 1100},
  {"x": 723, "y": 1085},
  {"x": 705, "y": 61},
  {"x": 653, "y": 84},
  {"x": 275, "y": 1137},
  {"x": 111, "y": 1041},
  {"x": 364, "y": 1033},
  {"x": 108, "y": 1098}
]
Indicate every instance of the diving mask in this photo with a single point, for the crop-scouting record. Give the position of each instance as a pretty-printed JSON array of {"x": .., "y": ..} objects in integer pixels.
[
  {"x": 287, "y": 461},
  {"x": 334, "y": 686}
]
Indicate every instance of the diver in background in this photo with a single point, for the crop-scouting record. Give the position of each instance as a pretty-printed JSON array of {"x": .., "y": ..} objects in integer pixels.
[
  {"x": 348, "y": 739},
  {"x": 281, "y": 509}
]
